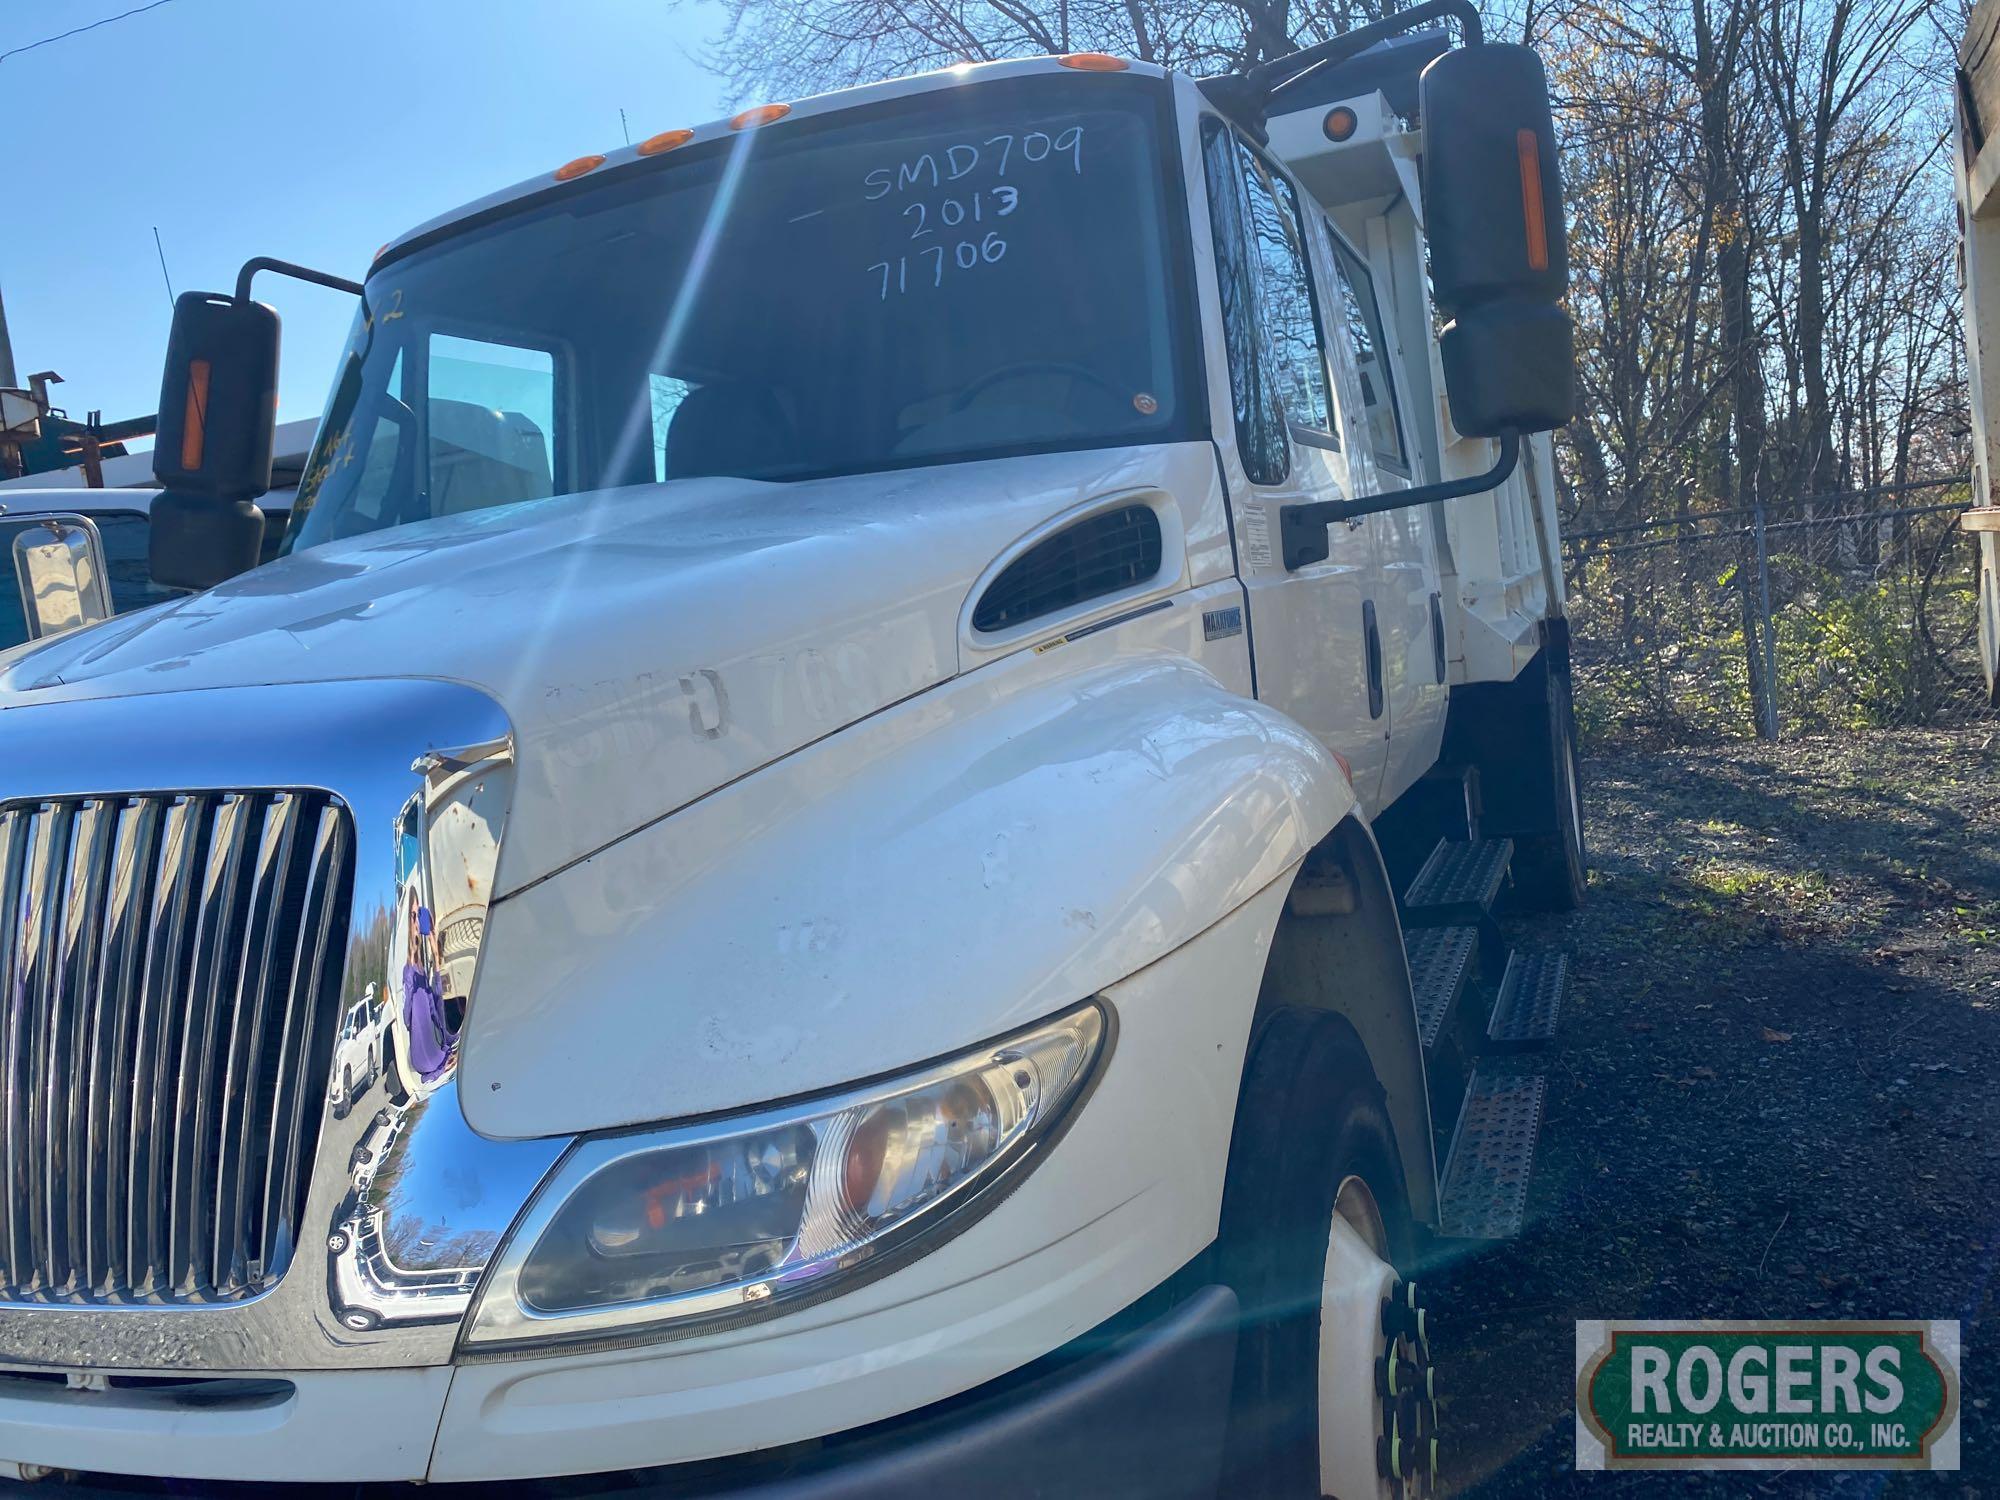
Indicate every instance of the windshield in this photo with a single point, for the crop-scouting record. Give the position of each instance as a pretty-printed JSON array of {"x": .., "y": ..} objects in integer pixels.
[{"x": 965, "y": 273}]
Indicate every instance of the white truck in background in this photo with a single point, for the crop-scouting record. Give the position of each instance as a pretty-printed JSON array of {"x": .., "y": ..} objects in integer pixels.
[
  {"x": 912, "y": 707},
  {"x": 1976, "y": 171}
]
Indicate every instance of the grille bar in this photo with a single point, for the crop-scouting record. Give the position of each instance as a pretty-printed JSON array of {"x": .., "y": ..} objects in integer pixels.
[{"x": 168, "y": 971}]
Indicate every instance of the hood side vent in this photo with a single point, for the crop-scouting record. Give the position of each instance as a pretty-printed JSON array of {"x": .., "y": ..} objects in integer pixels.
[{"x": 1103, "y": 554}]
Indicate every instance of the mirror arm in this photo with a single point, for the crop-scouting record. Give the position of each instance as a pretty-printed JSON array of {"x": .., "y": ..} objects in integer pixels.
[
  {"x": 1302, "y": 528},
  {"x": 297, "y": 272}
]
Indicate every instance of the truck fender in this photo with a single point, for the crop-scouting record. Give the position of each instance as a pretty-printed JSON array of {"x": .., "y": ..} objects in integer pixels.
[
  {"x": 956, "y": 866},
  {"x": 1339, "y": 948}
]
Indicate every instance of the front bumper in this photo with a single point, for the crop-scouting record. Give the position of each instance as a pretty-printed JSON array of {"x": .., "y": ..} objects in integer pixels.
[{"x": 1124, "y": 1410}]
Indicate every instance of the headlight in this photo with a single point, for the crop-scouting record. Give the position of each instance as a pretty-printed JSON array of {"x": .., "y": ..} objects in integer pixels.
[{"x": 649, "y": 1232}]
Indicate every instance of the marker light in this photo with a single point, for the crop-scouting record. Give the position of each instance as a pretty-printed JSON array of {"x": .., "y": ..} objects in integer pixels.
[
  {"x": 194, "y": 424},
  {"x": 1341, "y": 123},
  {"x": 1093, "y": 62},
  {"x": 1531, "y": 199},
  {"x": 650, "y": 1231},
  {"x": 666, "y": 140},
  {"x": 763, "y": 114},
  {"x": 570, "y": 170}
]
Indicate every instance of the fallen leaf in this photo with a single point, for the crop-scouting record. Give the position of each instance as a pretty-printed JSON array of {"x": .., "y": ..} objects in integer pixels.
[
  {"x": 1704, "y": 1072},
  {"x": 1776, "y": 1036}
]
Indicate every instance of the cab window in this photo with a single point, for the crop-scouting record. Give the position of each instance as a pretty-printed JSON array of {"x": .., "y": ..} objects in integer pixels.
[
  {"x": 1277, "y": 360},
  {"x": 1371, "y": 358}
]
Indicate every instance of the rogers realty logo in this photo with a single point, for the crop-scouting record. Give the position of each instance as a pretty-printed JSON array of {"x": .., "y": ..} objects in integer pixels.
[{"x": 1713, "y": 1395}]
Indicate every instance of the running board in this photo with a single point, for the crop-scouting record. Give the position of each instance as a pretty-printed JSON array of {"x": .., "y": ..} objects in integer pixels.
[
  {"x": 1530, "y": 1002},
  {"x": 1484, "y": 1194},
  {"x": 1458, "y": 884}
]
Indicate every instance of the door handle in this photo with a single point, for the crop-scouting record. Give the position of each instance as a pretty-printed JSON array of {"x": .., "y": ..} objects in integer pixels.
[
  {"x": 1373, "y": 638},
  {"x": 1437, "y": 634}
]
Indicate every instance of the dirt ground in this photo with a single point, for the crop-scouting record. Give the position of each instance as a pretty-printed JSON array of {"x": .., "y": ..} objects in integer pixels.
[{"x": 1772, "y": 1094}]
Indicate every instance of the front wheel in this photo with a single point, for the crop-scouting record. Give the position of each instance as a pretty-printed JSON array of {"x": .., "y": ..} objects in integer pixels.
[{"x": 1332, "y": 1379}]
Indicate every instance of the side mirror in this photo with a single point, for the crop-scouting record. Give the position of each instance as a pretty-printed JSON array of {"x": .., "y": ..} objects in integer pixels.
[
  {"x": 1499, "y": 249},
  {"x": 59, "y": 562},
  {"x": 212, "y": 448}
]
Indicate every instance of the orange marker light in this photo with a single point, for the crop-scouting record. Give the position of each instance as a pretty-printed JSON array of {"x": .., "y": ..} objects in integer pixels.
[
  {"x": 570, "y": 170},
  {"x": 763, "y": 114},
  {"x": 666, "y": 140},
  {"x": 194, "y": 422},
  {"x": 1531, "y": 199},
  {"x": 1093, "y": 62},
  {"x": 1340, "y": 123}
]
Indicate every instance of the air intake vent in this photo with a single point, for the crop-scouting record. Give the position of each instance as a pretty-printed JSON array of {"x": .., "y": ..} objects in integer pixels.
[{"x": 1095, "y": 557}]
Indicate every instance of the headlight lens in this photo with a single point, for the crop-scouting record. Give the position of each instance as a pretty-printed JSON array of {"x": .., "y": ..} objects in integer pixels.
[{"x": 654, "y": 1230}]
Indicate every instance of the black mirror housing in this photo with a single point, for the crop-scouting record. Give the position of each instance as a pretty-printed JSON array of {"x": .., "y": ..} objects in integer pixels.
[
  {"x": 1499, "y": 246},
  {"x": 1510, "y": 367},
  {"x": 212, "y": 447},
  {"x": 197, "y": 541},
  {"x": 218, "y": 398}
]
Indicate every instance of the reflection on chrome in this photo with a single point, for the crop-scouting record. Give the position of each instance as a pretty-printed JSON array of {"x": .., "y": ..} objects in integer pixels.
[
  {"x": 404, "y": 1202},
  {"x": 427, "y": 1199}
]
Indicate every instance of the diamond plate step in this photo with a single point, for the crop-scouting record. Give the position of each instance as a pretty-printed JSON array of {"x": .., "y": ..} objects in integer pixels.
[
  {"x": 1440, "y": 964},
  {"x": 1485, "y": 1187},
  {"x": 1531, "y": 999},
  {"x": 1458, "y": 883}
]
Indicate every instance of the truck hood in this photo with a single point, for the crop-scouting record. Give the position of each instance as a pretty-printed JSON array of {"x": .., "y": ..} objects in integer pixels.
[{"x": 648, "y": 644}]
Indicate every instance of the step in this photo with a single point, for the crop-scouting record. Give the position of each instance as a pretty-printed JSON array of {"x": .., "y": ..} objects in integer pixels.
[
  {"x": 1530, "y": 1003},
  {"x": 1485, "y": 1187},
  {"x": 1440, "y": 966},
  {"x": 1458, "y": 883}
]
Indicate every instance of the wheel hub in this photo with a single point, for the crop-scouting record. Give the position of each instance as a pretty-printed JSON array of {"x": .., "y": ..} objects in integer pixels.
[
  {"x": 1377, "y": 1383},
  {"x": 1406, "y": 1455}
]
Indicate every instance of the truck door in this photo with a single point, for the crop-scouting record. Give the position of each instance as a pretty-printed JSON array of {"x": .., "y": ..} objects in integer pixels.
[
  {"x": 1407, "y": 597},
  {"x": 1315, "y": 640}
]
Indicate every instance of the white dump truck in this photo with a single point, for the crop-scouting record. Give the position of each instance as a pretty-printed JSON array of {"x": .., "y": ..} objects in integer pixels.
[
  {"x": 1976, "y": 171},
  {"x": 896, "y": 722}
]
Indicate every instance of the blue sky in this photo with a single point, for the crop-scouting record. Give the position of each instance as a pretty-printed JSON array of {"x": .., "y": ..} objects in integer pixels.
[{"x": 303, "y": 129}]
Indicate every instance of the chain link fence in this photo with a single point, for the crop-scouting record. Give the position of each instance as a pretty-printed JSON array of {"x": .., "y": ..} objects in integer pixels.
[{"x": 1831, "y": 614}]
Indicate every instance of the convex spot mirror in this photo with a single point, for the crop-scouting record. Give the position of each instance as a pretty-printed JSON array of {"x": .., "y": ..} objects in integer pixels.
[
  {"x": 1499, "y": 252},
  {"x": 59, "y": 565},
  {"x": 212, "y": 449}
]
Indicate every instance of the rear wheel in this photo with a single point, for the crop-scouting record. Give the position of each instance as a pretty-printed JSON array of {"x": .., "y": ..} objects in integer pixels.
[{"x": 1314, "y": 1222}]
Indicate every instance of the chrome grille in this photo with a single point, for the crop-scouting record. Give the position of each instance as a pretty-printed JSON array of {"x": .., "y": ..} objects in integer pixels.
[{"x": 168, "y": 968}]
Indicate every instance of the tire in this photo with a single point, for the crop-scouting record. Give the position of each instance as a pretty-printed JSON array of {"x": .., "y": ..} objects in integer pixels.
[
  {"x": 346, "y": 1092},
  {"x": 1550, "y": 868},
  {"x": 1310, "y": 1123}
]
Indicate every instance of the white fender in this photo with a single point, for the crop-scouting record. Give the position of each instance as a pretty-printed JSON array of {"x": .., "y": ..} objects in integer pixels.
[{"x": 965, "y": 862}]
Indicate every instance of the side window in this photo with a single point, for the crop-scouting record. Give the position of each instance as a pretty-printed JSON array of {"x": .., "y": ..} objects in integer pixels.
[
  {"x": 1371, "y": 357},
  {"x": 1290, "y": 320},
  {"x": 1276, "y": 368},
  {"x": 492, "y": 411}
]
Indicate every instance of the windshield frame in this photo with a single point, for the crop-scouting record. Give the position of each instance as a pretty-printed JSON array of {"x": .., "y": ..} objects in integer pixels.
[{"x": 1150, "y": 97}]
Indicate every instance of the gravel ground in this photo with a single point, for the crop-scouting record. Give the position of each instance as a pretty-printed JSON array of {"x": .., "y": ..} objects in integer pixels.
[{"x": 1770, "y": 1096}]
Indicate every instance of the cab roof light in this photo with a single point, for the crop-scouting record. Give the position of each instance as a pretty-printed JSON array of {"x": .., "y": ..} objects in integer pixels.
[
  {"x": 1093, "y": 62},
  {"x": 569, "y": 171},
  {"x": 666, "y": 140},
  {"x": 1340, "y": 123},
  {"x": 762, "y": 114}
]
